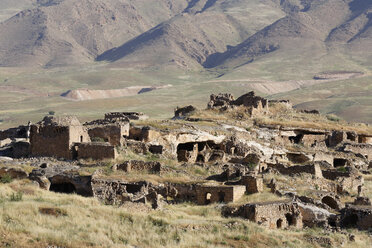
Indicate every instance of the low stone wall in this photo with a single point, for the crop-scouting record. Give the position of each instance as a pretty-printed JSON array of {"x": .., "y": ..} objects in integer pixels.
[
  {"x": 96, "y": 151},
  {"x": 135, "y": 165},
  {"x": 313, "y": 169}
]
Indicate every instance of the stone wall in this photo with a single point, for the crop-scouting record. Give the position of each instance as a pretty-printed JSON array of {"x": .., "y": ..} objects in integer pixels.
[
  {"x": 313, "y": 169},
  {"x": 135, "y": 165},
  {"x": 253, "y": 184},
  {"x": 357, "y": 216},
  {"x": 113, "y": 133},
  {"x": 363, "y": 149},
  {"x": 269, "y": 214},
  {"x": 96, "y": 151},
  {"x": 212, "y": 194},
  {"x": 51, "y": 141},
  {"x": 125, "y": 115},
  {"x": 54, "y": 136}
]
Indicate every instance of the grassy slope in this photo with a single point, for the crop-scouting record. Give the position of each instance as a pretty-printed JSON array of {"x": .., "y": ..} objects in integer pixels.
[{"x": 84, "y": 222}]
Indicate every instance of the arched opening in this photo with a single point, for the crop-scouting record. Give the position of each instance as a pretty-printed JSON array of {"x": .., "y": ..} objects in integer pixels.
[
  {"x": 208, "y": 197},
  {"x": 290, "y": 219},
  {"x": 279, "y": 223},
  {"x": 350, "y": 221},
  {"x": 81, "y": 139},
  {"x": 221, "y": 196},
  {"x": 329, "y": 201},
  {"x": 65, "y": 187}
]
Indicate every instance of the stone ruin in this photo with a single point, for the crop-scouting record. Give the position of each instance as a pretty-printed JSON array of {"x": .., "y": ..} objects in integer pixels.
[
  {"x": 280, "y": 214},
  {"x": 255, "y": 105},
  {"x": 207, "y": 194},
  {"x": 333, "y": 160},
  {"x": 55, "y": 136},
  {"x": 125, "y": 115}
]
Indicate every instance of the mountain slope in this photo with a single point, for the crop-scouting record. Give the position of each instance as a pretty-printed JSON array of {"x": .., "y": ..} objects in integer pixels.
[
  {"x": 188, "y": 39},
  {"x": 68, "y": 31}
]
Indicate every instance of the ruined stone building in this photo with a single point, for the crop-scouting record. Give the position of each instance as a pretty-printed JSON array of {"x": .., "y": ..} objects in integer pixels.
[
  {"x": 255, "y": 104},
  {"x": 280, "y": 214},
  {"x": 55, "y": 136},
  {"x": 111, "y": 130},
  {"x": 206, "y": 194}
]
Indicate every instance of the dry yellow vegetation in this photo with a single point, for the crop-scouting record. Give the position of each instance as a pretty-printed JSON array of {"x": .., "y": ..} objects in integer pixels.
[{"x": 31, "y": 217}]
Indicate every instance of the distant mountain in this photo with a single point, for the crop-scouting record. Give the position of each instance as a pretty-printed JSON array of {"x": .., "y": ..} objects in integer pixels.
[
  {"x": 64, "y": 32},
  {"x": 188, "y": 34}
]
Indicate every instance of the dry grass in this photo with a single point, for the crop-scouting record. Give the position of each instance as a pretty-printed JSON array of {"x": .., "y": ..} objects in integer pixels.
[
  {"x": 290, "y": 118},
  {"x": 87, "y": 223}
]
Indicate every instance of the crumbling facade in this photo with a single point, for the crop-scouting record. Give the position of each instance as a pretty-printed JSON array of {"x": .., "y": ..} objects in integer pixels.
[
  {"x": 55, "y": 136},
  {"x": 270, "y": 214}
]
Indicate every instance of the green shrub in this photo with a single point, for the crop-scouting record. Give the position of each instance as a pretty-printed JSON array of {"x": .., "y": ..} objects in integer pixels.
[
  {"x": 51, "y": 112},
  {"x": 6, "y": 179},
  {"x": 333, "y": 117},
  {"x": 16, "y": 197},
  {"x": 342, "y": 169}
]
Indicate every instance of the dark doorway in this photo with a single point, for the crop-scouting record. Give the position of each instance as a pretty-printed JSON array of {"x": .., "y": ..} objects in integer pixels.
[
  {"x": 279, "y": 223},
  {"x": 339, "y": 162},
  {"x": 350, "y": 221},
  {"x": 66, "y": 187},
  {"x": 329, "y": 201},
  {"x": 81, "y": 139},
  {"x": 291, "y": 221},
  {"x": 221, "y": 196}
]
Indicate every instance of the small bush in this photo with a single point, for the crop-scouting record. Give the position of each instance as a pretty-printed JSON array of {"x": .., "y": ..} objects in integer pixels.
[
  {"x": 16, "y": 197},
  {"x": 333, "y": 117},
  {"x": 6, "y": 179},
  {"x": 342, "y": 169},
  {"x": 51, "y": 112}
]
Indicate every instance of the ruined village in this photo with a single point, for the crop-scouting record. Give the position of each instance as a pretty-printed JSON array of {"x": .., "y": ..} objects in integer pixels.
[{"x": 317, "y": 172}]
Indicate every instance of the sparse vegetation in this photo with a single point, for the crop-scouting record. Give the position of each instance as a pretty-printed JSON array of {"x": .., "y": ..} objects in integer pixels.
[
  {"x": 6, "y": 179},
  {"x": 74, "y": 221}
]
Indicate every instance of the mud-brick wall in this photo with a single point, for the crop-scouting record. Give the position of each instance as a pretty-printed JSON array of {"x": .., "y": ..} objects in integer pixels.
[
  {"x": 96, "y": 151},
  {"x": 50, "y": 141}
]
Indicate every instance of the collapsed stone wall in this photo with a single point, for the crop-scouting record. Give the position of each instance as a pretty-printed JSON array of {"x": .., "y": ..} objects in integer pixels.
[
  {"x": 363, "y": 149},
  {"x": 255, "y": 105},
  {"x": 313, "y": 169},
  {"x": 113, "y": 133},
  {"x": 125, "y": 115},
  {"x": 269, "y": 214},
  {"x": 136, "y": 165}
]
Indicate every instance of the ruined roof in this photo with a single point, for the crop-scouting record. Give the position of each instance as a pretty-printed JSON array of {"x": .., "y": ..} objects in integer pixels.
[{"x": 60, "y": 121}]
